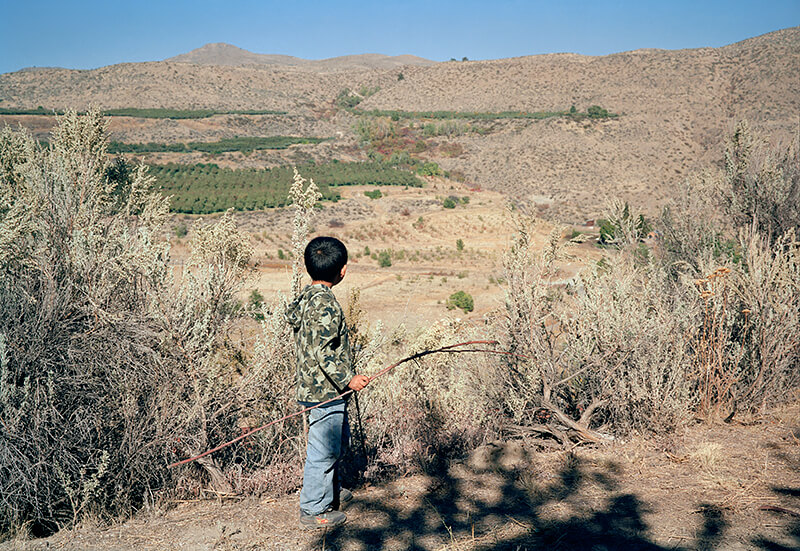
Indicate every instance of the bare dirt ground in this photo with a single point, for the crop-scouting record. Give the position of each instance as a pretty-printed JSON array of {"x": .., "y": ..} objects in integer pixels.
[
  {"x": 727, "y": 487},
  {"x": 423, "y": 237}
]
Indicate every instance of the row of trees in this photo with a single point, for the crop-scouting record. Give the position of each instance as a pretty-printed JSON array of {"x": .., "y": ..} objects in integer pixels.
[
  {"x": 594, "y": 111},
  {"x": 243, "y": 144},
  {"x": 207, "y": 188},
  {"x": 155, "y": 113}
]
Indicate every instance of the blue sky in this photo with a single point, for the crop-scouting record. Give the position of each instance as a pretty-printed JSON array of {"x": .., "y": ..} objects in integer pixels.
[{"x": 93, "y": 33}]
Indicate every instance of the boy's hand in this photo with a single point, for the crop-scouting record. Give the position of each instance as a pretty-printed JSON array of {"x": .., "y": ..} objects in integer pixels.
[{"x": 358, "y": 382}]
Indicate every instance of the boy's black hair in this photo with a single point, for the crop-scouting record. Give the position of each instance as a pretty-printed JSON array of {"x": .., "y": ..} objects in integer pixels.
[{"x": 325, "y": 257}]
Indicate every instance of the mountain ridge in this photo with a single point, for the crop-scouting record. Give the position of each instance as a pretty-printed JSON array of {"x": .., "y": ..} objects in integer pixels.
[{"x": 221, "y": 53}]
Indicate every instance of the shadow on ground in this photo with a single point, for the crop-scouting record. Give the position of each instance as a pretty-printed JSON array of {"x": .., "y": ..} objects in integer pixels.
[
  {"x": 489, "y": 505},
  {"x": 789, "y": 498}
]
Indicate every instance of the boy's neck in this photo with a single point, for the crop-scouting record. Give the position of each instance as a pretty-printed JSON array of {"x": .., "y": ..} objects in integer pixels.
[{"x": 327, "y": 284}]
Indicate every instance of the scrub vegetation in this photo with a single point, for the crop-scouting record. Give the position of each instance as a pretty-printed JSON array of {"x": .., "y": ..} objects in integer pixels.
[{"x": 113, "y": 365}]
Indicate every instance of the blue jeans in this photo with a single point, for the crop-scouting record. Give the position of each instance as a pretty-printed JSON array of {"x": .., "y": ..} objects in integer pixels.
[{"x": 328, "y": 433}]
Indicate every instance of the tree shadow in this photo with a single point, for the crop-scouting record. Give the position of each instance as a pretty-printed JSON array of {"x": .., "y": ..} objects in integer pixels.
[
  {"x": 789, "y": 499},
  {"x": 494, "y": 506}
]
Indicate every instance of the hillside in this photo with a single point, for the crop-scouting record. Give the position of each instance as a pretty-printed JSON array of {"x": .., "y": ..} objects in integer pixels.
[
  {"x": 183, "y": 85},
  {"x": 675, "y": 108}
]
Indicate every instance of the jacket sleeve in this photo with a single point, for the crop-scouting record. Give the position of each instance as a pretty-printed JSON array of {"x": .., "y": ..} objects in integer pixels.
[{"x": 333, "y": 347}]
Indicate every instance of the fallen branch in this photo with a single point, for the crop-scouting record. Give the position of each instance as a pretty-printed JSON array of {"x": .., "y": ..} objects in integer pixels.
[
  {"x": 583, "y": 431},
  {"x": 778, "y": 509},
  {"x": 540, "y": 430}
]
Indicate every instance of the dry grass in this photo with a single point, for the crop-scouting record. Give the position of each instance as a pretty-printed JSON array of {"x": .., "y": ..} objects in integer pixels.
[{"x": 708, "y": 456}]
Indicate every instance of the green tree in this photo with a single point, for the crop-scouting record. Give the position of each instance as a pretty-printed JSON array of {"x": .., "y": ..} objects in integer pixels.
[
  {"x": 429, "y": 168},
  {"x": 597, "y": 112},
  {"x": 462, "y": 300}
]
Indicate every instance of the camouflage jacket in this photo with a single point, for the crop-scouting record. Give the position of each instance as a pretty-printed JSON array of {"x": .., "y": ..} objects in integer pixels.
[{"x": 321, "y": 343}]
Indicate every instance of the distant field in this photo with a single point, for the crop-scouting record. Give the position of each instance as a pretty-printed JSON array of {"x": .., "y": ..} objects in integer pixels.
[
  {"x": 594, "y": 112},
  {"x": 245, "y": 145},
  {"x": 147, "y": 113},
  {"x": 207, "y": 188}
]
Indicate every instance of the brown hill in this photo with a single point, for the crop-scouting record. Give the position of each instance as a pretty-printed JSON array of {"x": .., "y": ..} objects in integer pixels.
[
  {"x": 182, "y": 85},
  {"x": 675, "y": 108},
  {"x": 220, "y": 53},
  {"x": 226, "y": 54}
]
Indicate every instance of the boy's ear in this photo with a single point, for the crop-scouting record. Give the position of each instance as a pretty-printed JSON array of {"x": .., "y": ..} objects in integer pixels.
[{"x": 344, "y": 271}]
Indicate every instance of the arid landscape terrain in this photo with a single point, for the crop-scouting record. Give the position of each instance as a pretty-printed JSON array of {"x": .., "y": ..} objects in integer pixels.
[
  {"x": 675, "y": 109},
  {"x": 724, "y": 486}
]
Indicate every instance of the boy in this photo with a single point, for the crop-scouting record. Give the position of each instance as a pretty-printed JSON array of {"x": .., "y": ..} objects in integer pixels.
[{"x": 324, "y": 371}]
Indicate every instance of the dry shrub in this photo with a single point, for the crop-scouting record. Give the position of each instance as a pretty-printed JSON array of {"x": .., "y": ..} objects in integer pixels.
[
  {"x": 691, "y": 228},
  {"x": 628, "y": 346},
  {"x": 613, "y": 352},
  {"x": 717, "y": 346},
  {"x": 768, "y": 289},
  {"x": 761, "y": 184},
  {"x": 433, "y": 408},
  {"x": 746, "y": 346},
  {"x": 257, "y": 388},
  {"x": 83, "y": 372},
  {"x": 530, "y": 326},
  {"x": 111, "y": 367},
  {"x": 268, "y": 461}
]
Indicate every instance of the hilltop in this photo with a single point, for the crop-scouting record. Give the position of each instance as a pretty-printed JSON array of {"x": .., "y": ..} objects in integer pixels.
[{"x": 226, "y": 54}]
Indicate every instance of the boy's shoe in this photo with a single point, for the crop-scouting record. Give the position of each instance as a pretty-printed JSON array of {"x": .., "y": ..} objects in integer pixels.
[
  {"x": 345, "y": 497},
  {"x": 328, "y": 519}
]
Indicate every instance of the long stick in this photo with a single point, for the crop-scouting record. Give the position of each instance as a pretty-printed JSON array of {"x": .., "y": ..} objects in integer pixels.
[{"x": 343, "y": 394}]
